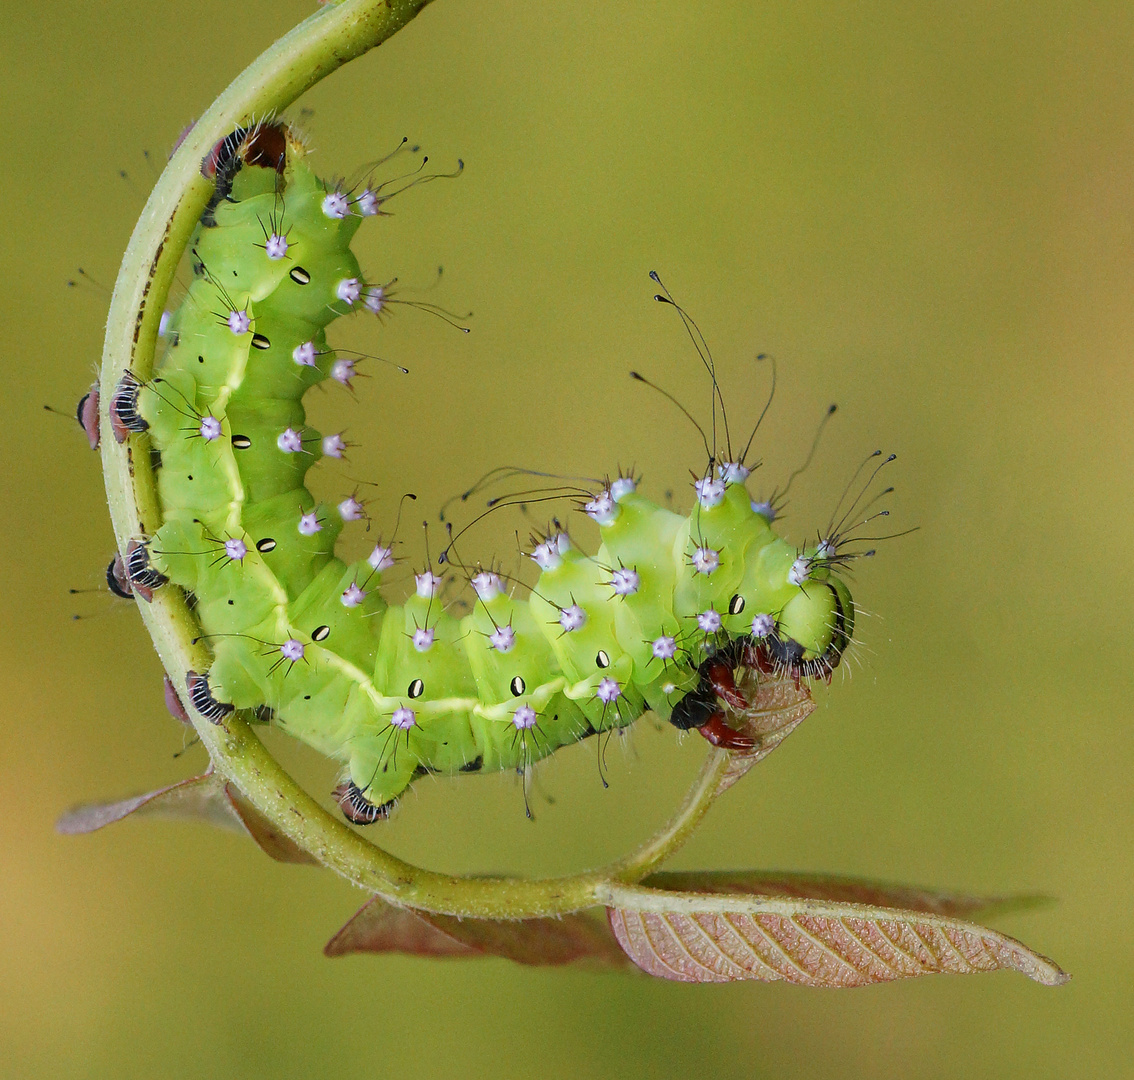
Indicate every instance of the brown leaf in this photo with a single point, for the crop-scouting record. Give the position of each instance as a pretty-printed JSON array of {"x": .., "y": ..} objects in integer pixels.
[
  {"x": 846, "y": 890},
  {"x": 777, "y": 706},
  {"x": 269, "y": 839},
  {"x": 379, "y": 927},
  {"x": 702, "y": 937},
  {"x": 201, "y": 798},
  {"x": 204, "y": 798}
]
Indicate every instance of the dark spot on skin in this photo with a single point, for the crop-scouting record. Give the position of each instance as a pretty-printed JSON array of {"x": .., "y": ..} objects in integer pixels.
[{"x": 200, "y": 359}]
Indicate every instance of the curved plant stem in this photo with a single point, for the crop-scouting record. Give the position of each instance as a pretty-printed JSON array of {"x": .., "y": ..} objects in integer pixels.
[
  {"x": 635, "y": 866},
  {"x": 334, "y": 35}
]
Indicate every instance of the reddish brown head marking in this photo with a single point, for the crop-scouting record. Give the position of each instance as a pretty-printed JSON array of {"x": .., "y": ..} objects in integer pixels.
[
  {"x": 264, "y": 145},
  {"x": 718, "y": 732}
]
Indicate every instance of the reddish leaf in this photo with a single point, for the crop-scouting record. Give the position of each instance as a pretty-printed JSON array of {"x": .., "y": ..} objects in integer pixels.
[
  {"x": 269, "y": 839},
  {"x": 703, "y": 937},
  {"x": 204, "y": 798},
  {"x": 777, "y": 706},
  {"x": 201, "y": 798},
  {"x": 845, "y": 890},
  {"x": 379, "y": 927}
]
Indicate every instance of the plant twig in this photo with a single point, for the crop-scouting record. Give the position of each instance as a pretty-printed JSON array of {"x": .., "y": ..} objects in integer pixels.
[{"x": 331, "y": 37}]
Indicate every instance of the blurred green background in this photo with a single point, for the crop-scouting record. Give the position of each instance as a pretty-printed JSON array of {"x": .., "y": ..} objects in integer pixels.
[{"x": 924, "y": 211}]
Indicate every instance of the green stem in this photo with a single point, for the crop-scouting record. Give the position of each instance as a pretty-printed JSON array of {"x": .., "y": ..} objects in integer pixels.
[
  {"x": 332, "y": 36},
  {"x": 635, "y": 866}
]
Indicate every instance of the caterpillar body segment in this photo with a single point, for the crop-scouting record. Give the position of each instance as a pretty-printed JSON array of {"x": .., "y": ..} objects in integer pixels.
[{"x": 652, "y": 621}]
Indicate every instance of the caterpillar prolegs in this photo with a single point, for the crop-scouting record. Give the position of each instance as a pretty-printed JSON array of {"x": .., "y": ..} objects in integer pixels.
[{"x": 657, "y": 619}]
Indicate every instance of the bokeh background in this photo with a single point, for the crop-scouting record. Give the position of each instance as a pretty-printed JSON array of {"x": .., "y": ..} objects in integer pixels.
[{"x": 923, "y": 210}]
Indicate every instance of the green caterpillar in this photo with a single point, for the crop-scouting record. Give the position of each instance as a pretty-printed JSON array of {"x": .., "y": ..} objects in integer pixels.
[{"x": 656, "y": 620}]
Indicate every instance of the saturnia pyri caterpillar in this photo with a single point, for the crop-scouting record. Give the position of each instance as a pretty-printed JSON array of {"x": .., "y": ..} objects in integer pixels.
[
  {"x": 656, "y": 620},
  {"x": 705, "y": 618}
]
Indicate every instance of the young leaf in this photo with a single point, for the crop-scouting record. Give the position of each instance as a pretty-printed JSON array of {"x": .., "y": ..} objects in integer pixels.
[
  {"x": 844, "y": 890},
  {"x": 200, "y": 798},
  {"x": 718, "y": 937},
  {"x": 204, "y": 798},
  {"x": 777, "y": 706},
  {"x": 379, "y": 927}
]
